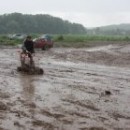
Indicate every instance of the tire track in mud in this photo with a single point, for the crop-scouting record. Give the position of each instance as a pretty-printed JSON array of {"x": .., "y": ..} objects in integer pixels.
[
  {"x": 113, "y": 78},
  {"x": 79, "y": 103}
]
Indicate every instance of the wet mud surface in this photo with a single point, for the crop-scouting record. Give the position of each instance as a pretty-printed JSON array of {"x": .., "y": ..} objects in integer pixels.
[{"x": 81, "y": 89}]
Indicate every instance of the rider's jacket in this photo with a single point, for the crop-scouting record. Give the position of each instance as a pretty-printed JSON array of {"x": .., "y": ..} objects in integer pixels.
[{"x": 29, "y": 45}]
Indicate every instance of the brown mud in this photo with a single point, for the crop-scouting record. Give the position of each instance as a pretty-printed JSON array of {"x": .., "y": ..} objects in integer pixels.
[{"x": 81, "y": 89}]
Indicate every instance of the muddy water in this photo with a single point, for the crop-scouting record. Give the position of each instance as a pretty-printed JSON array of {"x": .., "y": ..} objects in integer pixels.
[{"x": 71, "y": 95}]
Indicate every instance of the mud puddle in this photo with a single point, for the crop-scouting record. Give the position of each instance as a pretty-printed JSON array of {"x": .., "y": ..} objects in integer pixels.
[{"x": 71, "y": 95}]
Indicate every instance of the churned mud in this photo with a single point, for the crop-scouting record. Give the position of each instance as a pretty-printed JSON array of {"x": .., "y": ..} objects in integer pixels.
[{"x": 81, "y": 89}]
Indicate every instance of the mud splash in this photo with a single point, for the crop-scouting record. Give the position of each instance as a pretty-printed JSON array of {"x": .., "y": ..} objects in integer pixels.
[{"x": 71, "y": 95}]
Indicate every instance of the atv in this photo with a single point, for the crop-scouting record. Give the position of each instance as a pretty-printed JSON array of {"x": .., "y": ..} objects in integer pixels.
[{"x": 28, "y": 65}]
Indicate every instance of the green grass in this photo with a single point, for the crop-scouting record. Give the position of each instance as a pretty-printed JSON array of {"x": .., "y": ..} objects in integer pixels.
[
  {"x": 70, "y": 40},
  {"x": 86, "y": 40},
  {"x": 4, "y": 40}
]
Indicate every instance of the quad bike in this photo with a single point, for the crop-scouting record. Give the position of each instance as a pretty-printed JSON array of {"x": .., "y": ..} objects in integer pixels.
[{"x": 28, "y": 65}]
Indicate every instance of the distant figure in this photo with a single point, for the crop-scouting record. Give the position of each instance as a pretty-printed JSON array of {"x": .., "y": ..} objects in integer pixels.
[
  {"x": 26, "y": 58},
  {"x": 28, "y": 45}
]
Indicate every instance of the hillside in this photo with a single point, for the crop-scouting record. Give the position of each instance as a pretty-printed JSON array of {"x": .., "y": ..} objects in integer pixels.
[
  {"x": 21, "y": 23},
  {"x": 121, "y": 29}
]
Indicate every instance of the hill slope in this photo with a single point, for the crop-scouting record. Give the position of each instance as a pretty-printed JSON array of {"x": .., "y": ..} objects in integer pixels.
[
  {"x": 121, "y": 29},
  {"x": 19, "y": 23}
]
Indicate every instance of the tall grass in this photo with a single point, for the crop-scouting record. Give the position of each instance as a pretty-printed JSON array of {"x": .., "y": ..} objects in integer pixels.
[
  {"x": 70, "y": 40},
  {"x": 5, "y": 40},
  {"x": 85, "y": 38}
]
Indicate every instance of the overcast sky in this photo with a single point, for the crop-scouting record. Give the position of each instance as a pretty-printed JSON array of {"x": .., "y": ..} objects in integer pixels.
[{"x": 90, "y": 13}]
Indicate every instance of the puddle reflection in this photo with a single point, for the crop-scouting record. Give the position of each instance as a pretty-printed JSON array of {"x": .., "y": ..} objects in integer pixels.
[{"x": 28, "y": 87}]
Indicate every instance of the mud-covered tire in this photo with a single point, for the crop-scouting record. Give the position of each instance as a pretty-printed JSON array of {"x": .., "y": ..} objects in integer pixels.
[
  {"x": 19, "y": 68},
  {"x": 31, "y": 71},
  {"x": 39, "y": 71}
]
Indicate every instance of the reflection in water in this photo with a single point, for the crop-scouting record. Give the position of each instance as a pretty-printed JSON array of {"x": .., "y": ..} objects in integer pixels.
[
  {"x": 28, "y": 87},
  {"x": 28, "y": 93}
]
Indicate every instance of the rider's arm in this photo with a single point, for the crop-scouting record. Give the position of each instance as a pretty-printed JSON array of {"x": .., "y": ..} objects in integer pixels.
[{"x": 23, "y": 46}]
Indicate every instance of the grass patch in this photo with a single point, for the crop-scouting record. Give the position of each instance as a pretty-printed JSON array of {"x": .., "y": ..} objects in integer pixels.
[
  {"x": 87, "y": 40},
  {"x": 4, "y": 40},
  {"x": 70, "y": 40}
]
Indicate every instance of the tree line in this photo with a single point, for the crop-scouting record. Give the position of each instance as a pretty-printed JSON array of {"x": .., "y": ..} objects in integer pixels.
[
  {"x": 121, "y": 29},
  {"x": 26, "y": 23}
]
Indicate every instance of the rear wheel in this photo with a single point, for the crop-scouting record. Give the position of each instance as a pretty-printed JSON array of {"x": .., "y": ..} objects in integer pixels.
[{"x": 19, "y": 68}]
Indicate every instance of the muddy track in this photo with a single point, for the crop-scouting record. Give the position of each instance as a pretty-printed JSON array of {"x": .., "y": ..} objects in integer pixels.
[{"x": 82, "y": 89}]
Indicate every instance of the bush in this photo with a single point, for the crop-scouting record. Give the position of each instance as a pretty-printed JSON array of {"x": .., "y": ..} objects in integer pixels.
[{"x": 60, "y": 38}]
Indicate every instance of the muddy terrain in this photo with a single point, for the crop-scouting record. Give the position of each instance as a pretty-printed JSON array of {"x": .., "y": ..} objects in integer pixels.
[{"x": 81, "y": 89}]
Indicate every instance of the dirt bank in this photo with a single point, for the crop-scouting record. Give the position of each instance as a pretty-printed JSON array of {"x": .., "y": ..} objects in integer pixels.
[{"x": 82, "y": 89}]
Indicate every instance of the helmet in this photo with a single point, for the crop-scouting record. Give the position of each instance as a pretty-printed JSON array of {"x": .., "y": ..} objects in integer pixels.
[{"x": 29, "y": 37}]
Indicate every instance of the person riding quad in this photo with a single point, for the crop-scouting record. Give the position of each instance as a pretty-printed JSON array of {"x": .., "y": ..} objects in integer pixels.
[
  {"x": 26, "y": 58},
  {"x": 28, "y": 44},
  {"x": 28, "y": 47}
]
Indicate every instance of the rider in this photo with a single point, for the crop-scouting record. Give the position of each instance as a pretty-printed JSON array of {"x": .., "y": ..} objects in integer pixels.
[{"x": 28, "y": 46}]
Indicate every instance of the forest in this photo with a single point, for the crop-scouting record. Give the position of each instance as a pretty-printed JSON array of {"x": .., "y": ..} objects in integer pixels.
[{"x": 26, "y": 23}]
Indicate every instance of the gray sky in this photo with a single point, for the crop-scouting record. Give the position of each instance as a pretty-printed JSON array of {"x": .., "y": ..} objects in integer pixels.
[{"x": 90, "y": 13}]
